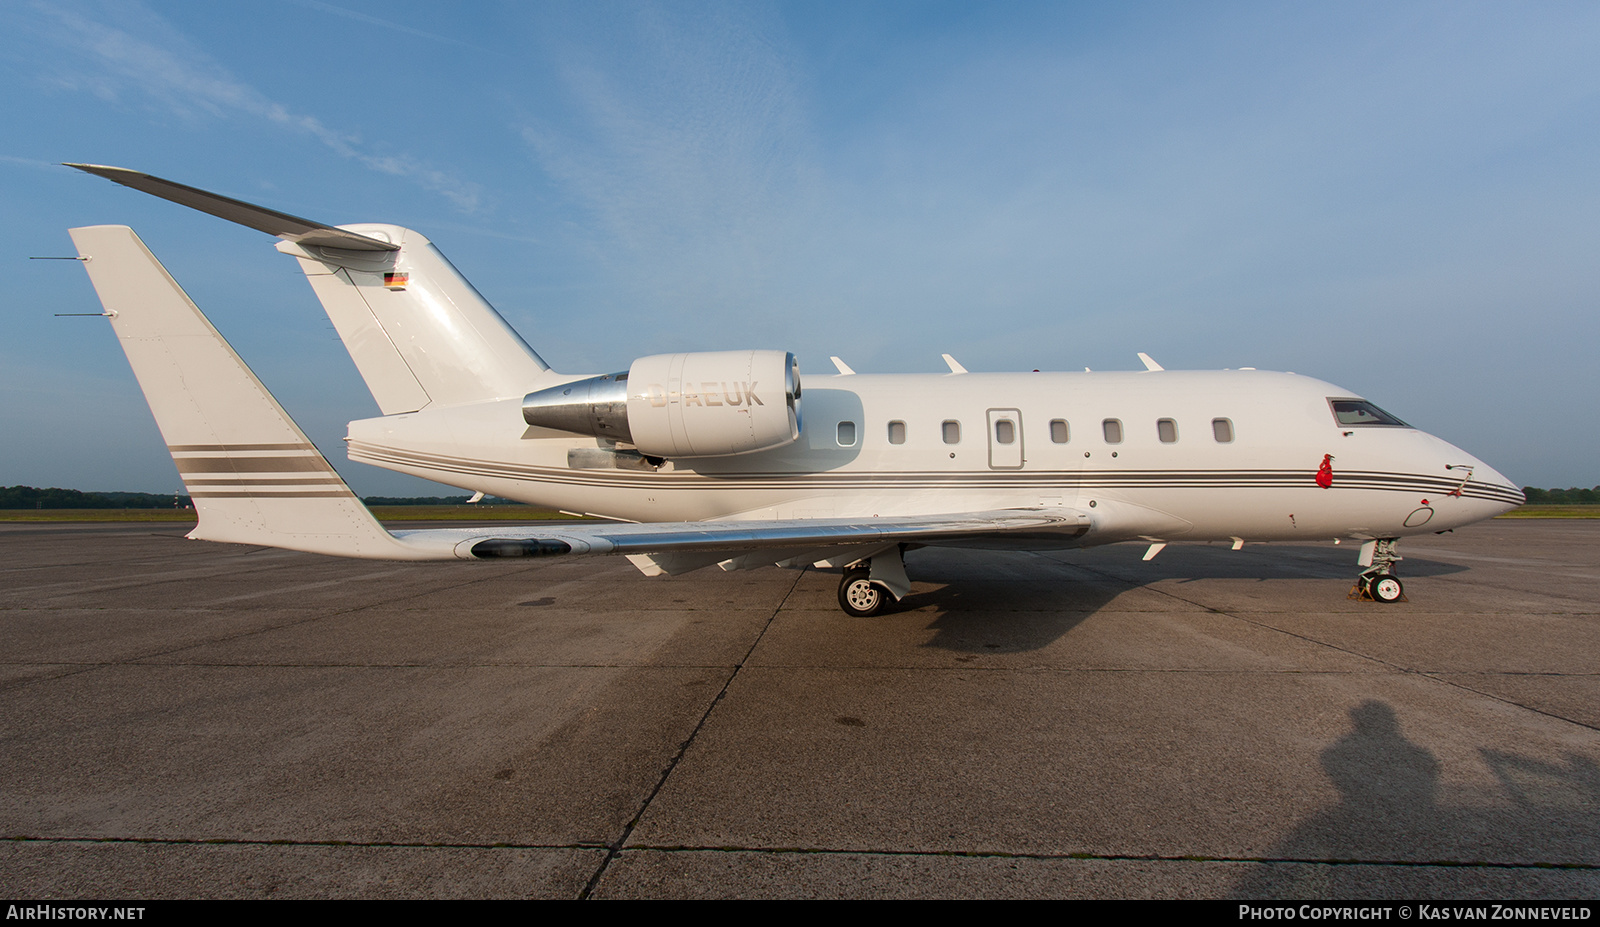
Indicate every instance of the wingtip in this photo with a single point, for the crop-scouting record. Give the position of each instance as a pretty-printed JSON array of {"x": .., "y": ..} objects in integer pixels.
[{"x": 101, "y": 169}]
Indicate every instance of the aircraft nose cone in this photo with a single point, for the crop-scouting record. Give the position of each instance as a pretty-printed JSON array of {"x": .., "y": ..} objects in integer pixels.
[
  {"x": 1486, "y": 493},
  {"x": 1494, "y": 477},
  {"x": 1479, "y": 491}
]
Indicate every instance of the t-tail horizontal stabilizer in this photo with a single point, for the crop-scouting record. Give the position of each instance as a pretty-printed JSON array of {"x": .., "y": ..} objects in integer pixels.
[
  {"x": 260, "y": 218},
  {"x": 417, "y": 330}
]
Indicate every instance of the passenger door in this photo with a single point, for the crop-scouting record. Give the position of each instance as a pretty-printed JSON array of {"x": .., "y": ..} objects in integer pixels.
[{"x": 1005, "y": 439}]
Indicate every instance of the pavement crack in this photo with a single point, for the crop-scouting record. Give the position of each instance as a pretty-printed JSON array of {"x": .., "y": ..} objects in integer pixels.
[
  {"x": 616, "y": 847},
  {"x": 284, "y": 842},
  {"x": 144, "y": 659},
  {"x": 1121, "y": 857},
  {"x": 1512, "y": 702},
  {"x": 1432, "y": 675}
]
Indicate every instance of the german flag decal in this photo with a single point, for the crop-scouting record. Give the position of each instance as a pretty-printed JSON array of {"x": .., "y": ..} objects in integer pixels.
[{"x": 395, "y": 281}]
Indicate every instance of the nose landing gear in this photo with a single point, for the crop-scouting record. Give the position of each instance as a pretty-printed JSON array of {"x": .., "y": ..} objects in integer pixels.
[
  {"x": 1377, "y": 583},
  {"x": 1383, "y": 588}
]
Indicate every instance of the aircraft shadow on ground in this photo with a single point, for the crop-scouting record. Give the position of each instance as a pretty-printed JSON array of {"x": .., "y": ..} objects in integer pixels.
[
  {"x": 986, "y": 618},
  {"x": 1013, "y": 601},
  {"x": 1188, "y": 563},
  {"x": 1390, "y": 810}
]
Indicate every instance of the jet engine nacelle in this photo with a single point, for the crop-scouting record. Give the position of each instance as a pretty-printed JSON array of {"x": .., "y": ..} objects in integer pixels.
[{"x": 708, "y": 404}]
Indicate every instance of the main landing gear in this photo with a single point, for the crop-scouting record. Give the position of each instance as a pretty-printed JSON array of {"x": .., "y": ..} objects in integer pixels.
[
  {"x": 859, "y": 596},
  {"x": 870, "y": 585},
  {"x": 1377, "y": 583}
]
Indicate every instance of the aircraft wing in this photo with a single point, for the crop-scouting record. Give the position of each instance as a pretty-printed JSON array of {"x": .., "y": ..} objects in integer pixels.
[{"x": 729, "y": 537}]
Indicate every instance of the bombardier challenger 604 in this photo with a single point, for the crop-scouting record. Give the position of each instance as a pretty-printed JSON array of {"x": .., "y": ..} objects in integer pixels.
[{"x": 719, "y": 458}]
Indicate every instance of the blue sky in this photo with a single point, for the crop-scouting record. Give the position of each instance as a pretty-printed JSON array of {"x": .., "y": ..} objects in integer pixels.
[{"x": 1400, "y": 198}]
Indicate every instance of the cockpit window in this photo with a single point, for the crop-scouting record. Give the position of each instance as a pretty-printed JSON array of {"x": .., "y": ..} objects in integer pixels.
[{"x": 1362, "y": 412}]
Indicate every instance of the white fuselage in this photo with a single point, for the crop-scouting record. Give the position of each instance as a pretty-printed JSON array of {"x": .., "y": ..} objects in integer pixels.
[
  {"x": 874, "y": 445},
  {"x": 729, "y": 456}
]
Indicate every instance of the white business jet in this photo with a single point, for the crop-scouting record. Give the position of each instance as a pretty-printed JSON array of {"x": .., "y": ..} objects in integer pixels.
[{"x": 715, "y": 458}]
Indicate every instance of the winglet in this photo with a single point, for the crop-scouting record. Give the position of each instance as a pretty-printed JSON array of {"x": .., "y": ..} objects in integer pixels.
[
  {"x": 260, "y": 218},
  {"x": 954, "y": 366},
  {"x": 844, "y": 368},
  {"x": 253, "y": 474},
  {"x": 1149, "y": 363}
]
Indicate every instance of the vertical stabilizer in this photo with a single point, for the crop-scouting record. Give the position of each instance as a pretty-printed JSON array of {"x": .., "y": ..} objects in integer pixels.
[
  {"x": 419, "y": 333},
  {"x": 254, "y": 476},
  {"x": 416, "y": 329}
]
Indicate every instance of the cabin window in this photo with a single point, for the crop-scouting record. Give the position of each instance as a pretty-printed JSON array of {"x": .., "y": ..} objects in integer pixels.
[
  {"x": 952, "y": 432},
  {"x": 847, "y": 434},
  {"x": 1005, "y": 431},
  {"x": 1112, "y": 428},
  {"x": 1167, "y": 430},
  {"x": 1058, "y": 431},
  {"x": 897, "y": 432},
  {"x": 1362, "y": 412},
  {"x": 1222, "y": 430}
]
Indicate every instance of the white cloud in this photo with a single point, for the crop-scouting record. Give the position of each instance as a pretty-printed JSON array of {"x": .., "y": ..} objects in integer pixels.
[
  {"x": 144, "y": 57},
  {"x": 389, "y": 24},
  {"x": 685, "y": 134}
]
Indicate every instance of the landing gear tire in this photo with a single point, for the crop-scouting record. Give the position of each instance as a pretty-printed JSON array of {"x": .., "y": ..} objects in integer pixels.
[
  {"x": 1377, "y": 583},
  {"x": 859, "y": 596},
  {"x": 1385, "y": 588}
]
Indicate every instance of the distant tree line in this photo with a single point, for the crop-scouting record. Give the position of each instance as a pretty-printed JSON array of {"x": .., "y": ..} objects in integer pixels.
[
  {"x": 29, "y": 497},
  {"x": 1573, "y": 496}
]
